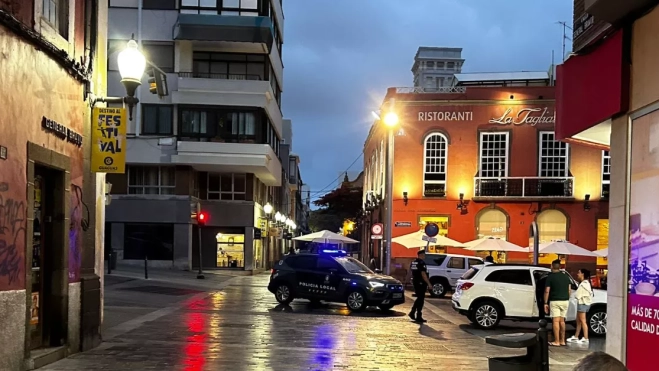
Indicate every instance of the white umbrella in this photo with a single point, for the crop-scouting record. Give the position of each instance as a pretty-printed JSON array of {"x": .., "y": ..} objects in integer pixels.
[
  {"x": 564, "y": 248},
  {"x": 493, "y": 244},
  {"x": 603, "y": 253},
  {"x": 414, "y": 240},
  {"x": 325, "y": 237}
]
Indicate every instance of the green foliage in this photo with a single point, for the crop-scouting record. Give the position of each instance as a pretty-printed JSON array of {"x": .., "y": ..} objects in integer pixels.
[{"x": 334, "y": 207}]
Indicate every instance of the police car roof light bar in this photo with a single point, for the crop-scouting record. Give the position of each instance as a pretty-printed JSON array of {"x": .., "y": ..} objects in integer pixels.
[{"x": 340, "y": 252}]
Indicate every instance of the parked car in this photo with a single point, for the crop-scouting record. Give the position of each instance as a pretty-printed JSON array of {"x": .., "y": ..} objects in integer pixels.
[
  {"x": 333, "y": 277},
  {"x": 444, "y": 270},
  {"x": 486, "y": 294}
]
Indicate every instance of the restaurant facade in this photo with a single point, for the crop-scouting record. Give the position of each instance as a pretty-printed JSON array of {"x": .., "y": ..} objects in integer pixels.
[
  {"x": 607, "y": 97},
  {"x": 51, "y": 260},
  {"x": 484, "y": 162}
]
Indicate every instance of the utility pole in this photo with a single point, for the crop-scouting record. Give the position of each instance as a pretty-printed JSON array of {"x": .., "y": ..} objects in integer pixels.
[{"x": 565, "y": 36}]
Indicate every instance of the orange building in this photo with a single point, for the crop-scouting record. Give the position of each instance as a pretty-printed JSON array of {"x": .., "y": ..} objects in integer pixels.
[{"x": 494, "y": 148}]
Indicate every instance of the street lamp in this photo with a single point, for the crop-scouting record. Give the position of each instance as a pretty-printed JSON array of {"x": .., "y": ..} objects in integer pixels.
[
  {"x": 278, "y": 217},
  {"x": 390, "y": 120},
  {"x": 131, "y": 63},
  {"x": 267, "y": 209}
]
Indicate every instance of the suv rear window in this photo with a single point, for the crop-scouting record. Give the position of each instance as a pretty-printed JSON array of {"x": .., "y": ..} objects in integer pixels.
[
  {"x": 470, "y": 273},
  {"x": 434, "y": 260},
  {"x": 511, "y": 276}
]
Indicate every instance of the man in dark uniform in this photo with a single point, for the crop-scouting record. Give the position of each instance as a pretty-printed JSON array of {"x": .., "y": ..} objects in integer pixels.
[{"x": 421, "y": 285}]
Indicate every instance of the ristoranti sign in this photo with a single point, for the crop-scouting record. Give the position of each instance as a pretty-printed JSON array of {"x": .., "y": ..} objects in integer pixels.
[
  {"x": 446, "y": 116},
  {"x": 526, "y": 116}
]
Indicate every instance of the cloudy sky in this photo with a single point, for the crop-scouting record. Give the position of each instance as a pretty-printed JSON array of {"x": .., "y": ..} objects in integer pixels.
[{"x": 341, "y": 55}]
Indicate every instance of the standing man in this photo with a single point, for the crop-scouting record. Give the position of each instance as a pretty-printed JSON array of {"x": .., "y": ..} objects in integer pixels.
[
  {"x": 421, "y": 285},
  {"x": 558, "y": 289}
]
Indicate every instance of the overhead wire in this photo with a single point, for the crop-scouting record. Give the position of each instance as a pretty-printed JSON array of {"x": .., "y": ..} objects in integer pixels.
[{"x": 327, "y": 187}]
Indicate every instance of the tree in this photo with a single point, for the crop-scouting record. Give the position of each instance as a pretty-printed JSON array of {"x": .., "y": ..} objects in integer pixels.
[{"x": 334, "y": 207}]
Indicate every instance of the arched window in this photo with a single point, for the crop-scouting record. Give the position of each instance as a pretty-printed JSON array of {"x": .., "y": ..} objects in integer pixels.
[
  {"x": 492, "y": 223},
  {"x": 434, "y": 158},
  {"x": 552, "y": 226}
]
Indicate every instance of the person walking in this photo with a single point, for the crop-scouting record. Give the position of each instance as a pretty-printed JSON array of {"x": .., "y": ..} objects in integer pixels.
[
  {"x": 558, "y": 289},
  {"x": 584, "y": 296},
  {"x": 421, "y": 285}
]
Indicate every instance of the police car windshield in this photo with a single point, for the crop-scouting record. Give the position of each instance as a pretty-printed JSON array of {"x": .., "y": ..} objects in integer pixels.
[{"x": 353, "y": 265}]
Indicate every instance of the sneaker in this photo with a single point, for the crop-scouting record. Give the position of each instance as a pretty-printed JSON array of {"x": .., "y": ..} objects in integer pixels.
[
  {"x": 584, "y": 341},
  {"x": 573, "y": 339}
]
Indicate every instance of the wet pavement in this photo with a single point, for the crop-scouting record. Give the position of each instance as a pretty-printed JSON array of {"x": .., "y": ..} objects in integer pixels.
[{"x": 234, "y": 323}]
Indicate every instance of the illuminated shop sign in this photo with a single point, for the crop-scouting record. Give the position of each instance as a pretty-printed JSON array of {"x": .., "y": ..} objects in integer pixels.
[
  {"x": 528, "y": 116},
  {"x": 446, "y": 116}
]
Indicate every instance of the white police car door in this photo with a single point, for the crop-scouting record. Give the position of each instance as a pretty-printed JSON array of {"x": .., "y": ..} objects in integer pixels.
[{"x": 328, "y": 278}]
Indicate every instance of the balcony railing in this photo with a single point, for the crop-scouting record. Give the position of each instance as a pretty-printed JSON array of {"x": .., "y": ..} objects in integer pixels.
[
  {"x": 440, "y": 90},
  {"x": 220, "y": 76},
  {"x": 523, "y": 187}
]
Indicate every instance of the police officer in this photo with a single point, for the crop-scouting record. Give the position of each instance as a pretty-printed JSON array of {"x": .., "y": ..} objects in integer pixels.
[{"x": 421, "y": 284}]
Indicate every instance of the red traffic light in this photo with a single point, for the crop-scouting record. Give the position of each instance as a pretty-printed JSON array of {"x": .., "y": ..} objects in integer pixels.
[{"x": 202, "y": 218}]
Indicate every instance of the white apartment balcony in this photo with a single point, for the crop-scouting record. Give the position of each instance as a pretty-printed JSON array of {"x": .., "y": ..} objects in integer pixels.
[
  {"x": 227, "y": 90},
  {"x": 524, "y": 188},
  {"x": 257, "y": 159}
]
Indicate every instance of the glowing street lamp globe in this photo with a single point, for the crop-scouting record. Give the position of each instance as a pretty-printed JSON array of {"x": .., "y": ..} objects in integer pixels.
[
  {"x": 391, "y": 119},
  {"x": 278, "y": 216},
  {"x": 267, "y": 208},
  {"x": 132, "y": 63}
]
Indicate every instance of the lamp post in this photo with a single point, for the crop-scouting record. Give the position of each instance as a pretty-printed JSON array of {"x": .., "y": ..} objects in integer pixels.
[
  {"x": 391, "y": 121},
  {"x": 131, "y": 63},
  {"x": 267, "y": 209}
]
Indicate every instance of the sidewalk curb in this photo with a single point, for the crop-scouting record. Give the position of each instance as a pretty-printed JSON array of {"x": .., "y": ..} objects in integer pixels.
[{"x": 442, "y": 313}]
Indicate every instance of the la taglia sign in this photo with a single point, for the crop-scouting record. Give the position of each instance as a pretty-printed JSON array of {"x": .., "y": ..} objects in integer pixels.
[{"x": 526, "y": 116}]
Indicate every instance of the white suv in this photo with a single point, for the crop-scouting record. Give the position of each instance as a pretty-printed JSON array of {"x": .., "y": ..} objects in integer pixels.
[
  {"x": 486, "y": 294},
  {"x": 444, "y": 271}
]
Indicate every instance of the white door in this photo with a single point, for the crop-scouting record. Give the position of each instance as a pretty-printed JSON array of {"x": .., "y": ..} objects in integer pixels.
[
  {"x": 455, "y": 268},
  {"x": 515, "y": 289}
]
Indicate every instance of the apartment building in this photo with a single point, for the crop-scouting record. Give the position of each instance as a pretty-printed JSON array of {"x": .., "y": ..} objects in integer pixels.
[
  {"x": 435, "y": 67},
  {"x": 216, "y": 139},
  {"x": 51, "y": 229},
  {"x": 483, "y": 161}
]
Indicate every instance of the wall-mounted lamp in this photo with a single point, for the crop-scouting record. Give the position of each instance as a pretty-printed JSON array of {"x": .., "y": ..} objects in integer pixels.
[
  {"x": 405, "y": 199},
  {"x": 586, "y": 203},
  {"x": 462, "y": 205}
]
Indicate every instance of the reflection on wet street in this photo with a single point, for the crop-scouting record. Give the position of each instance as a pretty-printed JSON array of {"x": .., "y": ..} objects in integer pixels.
[{"x": 242, "y": 327}]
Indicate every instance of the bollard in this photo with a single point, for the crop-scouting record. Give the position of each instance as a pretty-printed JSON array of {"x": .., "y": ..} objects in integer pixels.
[
  {"x": 110, "y": 263},
  {"x": 146, "y": 268},
  {"x": 543, "y": 343}
]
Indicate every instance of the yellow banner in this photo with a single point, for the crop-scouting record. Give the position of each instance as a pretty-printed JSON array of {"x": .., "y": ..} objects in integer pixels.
[{"x": 109, "y": 140}]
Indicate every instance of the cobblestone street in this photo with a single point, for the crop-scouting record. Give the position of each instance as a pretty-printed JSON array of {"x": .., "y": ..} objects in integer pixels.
[{"x": 234, "y": 323}]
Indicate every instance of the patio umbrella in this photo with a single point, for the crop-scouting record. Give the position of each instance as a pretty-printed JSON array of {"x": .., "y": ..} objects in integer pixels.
[
  {"x": 493, "y": 244},
  {"x": 325, "y": 237},
  {"x": 564, "y": 248},
  {"x": 603, "y": 253},
  {"x": 414, "y": 240}
]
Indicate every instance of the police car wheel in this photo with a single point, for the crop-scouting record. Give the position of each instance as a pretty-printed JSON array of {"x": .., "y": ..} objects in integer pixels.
[
  {"x": 283, "y": 294},
  {"x": 356, "y": 301}
]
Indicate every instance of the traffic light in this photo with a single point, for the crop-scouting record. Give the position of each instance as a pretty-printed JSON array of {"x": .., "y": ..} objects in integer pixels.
[
  {"x": 202, "y": 218},
  {"x": 157, "y": 81}
]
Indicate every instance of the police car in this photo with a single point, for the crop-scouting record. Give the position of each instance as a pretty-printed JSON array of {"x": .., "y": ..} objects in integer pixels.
[{"x": 332, "y": 276}]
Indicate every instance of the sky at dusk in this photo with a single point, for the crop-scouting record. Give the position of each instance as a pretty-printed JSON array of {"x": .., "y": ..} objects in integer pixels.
[{"x": 340, "y": 56}]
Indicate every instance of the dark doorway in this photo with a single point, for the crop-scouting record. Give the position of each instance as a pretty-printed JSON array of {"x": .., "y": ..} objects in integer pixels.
[{"x": 49, "y": 283}]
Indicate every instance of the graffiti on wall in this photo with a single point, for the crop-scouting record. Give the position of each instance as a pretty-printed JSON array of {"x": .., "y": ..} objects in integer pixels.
[
  {"x": 12, "y": 235},
  {"x": 75, "y": 233}
]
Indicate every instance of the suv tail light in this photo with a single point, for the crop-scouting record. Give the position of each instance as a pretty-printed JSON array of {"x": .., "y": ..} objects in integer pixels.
[
  {"x": 466, "y": 286},
  {"x": 273, "y": 271}
]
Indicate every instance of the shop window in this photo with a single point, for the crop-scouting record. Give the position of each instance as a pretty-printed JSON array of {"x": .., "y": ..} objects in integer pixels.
[
  {"x": 442, "y": 222},
  {"x": 230, "y": 250},
  {"x": 434, "y": 172},
  {"x": 553, "y": 161},
  {"x": 155, "y": 241},
  {"x": 552, "y": 226},
  {"x": 492, "y": 223},
  {"x": 606, "y": 174},
  {"x": 227, "y": 187},
  {"x": 493, "y": 159},
  {"x": 602, "y": 241},
  {"x": 151, "y": 180},
  {"x": 157, "y": 119}
]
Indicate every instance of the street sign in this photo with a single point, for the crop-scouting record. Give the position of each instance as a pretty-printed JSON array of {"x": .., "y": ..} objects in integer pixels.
[
  {"x": 376, "y": 236},
  {"x": 403, "y": 224},
  {"x": 429, "y": 239},
  {"x": 431, "y": 229},
  {"x": 377, "y": 229}
]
